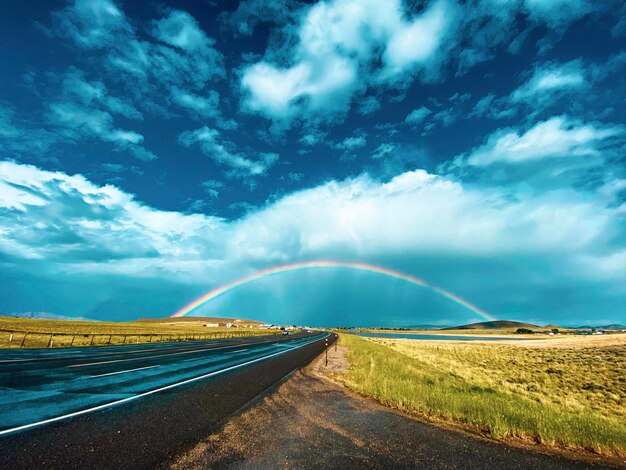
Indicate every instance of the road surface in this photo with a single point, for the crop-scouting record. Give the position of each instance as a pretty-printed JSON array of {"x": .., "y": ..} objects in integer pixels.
[
  {"x": 133, "y": 405},
  {"x": 311, "y": 422}
]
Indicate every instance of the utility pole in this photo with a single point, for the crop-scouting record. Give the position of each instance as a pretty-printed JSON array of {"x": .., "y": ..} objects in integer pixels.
[{"x": 326, "y": 350}]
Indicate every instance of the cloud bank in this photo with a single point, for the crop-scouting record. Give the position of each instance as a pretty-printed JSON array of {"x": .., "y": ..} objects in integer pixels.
[{"x": 432, "y": 225}]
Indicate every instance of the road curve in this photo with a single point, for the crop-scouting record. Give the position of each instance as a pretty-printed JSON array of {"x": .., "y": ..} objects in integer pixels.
[{"x": 132, "y": 406}]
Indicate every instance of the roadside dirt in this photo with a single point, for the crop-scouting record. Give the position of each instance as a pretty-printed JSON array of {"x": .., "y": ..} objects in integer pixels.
[{"x": 310, "y": 421}]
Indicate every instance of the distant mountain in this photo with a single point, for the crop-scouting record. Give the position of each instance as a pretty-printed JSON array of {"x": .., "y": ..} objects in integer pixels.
[
  {"x": 493, "y": 325},
  {"x": 43, "y": 316},
  {"x": 425, "y": 326},
  {"x": 236, "y": 321},
  {"x": 613, "y": 326}
]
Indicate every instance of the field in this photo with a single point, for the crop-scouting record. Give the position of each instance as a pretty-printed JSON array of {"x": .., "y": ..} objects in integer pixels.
[
  {"x": 568, "y": 394},
  {"x": 39, "y": 333},
  {"x": 473, "y": 331}
]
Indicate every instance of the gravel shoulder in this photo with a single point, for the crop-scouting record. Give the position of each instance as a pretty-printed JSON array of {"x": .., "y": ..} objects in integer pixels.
[{"x": 310, "y": 421}]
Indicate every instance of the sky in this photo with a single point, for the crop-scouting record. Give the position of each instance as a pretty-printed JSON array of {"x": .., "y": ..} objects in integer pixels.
[{"x": 151, "y": 151}]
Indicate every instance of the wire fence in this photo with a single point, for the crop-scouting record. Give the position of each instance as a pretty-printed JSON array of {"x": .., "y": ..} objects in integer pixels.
[{"x": 40, "y": 339}]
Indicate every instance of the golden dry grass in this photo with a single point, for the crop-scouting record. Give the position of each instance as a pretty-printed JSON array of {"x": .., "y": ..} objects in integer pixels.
[
  {"x": 565, "y": 396},
  {"x": 82, "y": 332}
]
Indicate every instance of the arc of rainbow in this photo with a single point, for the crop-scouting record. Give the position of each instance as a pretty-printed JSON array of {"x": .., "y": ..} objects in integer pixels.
[{"x": 212, "y": 294}]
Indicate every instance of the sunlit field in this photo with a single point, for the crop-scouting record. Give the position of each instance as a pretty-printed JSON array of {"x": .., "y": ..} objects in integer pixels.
[
  {"x": 40, "y": 333},
  {"x": 567, "y": 394}
]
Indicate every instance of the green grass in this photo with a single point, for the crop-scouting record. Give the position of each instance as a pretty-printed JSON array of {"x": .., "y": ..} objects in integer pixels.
[
  {"x": 81, "y": 333},
  {"x": 416, "y": 384}
]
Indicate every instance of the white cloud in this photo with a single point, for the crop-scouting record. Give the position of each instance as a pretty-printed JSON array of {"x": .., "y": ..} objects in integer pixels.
[
  {"x": 176, "y": 59},
  {"x": 323, "y": 84},
  {"x": 180, "y": 29},
  {"x": 312, "y": 137},
  {"x": 417, "y": 115},
  {"x": 218, "y": 149},
  {"x": 204, "y": 107},
  {"x": 68, "y": 226},
  {"x": 352, "y": 143},
  {"x": 72, "y": 220},
  {"x": 83, "y": 112},
  {"x": 548, "y": 79},
  {"x": 557, "y": 137},
  {"x": 76, "y": 87},
  {"x": 7, "y": 128},
  {"x": 383, "y": 150},
  {"x": 415, "y": 211},
  {"x": 212, "y": 188},
  {"x": 343, "y": 47},
  {"x": 129, "y": 137},
  {"x": 559, "y": 12},
  {"x": 336, "y": 41},
  {"x": 369, "y": 105},
  {"x": 92, "y": 24},
  {"x": 418, "y": 42},
  {"x": 17, "y": 139}
]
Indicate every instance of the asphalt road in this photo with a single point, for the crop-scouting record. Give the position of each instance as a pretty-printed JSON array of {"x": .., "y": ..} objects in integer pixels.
[
  {"x": 132, "y": 406},
  {"x": 311, "y": 422}
]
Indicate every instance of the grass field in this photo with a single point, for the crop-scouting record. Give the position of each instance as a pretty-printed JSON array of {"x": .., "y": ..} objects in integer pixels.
[
  {"x": 567, "y": 396},
  {"x": 91, "y": 333},
  {"x": 473, "y": 331}
]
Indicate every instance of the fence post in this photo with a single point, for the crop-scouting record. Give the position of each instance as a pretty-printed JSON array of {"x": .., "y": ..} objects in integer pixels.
[
  {"x": 50, "y": 341},
  {"x": 124, "y": 339},
  {"x": 72, "y": 343},
  {"x": 23, "y": 340},
  {"x": 11, "y": 338},
  {"x": 93, "y": 337},
  {"x": 110, "y": 337},
  {"x": 150, "y": 340}
]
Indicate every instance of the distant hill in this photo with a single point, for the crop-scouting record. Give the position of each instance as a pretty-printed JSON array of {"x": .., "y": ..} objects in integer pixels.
[
  {"x": 613, "y": 326},
  {"x": 43, "y": 316},
  {"x": 236, "y": 321},
  {"x": 423, "y": 326},
  {"x": 493, "y": 325}
]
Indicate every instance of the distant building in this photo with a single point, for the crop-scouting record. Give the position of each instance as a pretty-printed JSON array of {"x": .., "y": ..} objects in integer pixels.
[{"x": 211, "y": 325}]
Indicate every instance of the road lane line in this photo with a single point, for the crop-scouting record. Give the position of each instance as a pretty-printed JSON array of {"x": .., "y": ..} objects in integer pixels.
[
  {"x": 151, "y": 392},
  {"x": 157, "y": 355},
  {"x": 165, "y": 346},
  {"x": 123, "y": 371},
  {"x": 240, "y": 350}
]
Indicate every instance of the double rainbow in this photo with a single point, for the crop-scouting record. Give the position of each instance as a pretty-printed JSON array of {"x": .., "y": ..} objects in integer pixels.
[{"x": 372, "y": 268}]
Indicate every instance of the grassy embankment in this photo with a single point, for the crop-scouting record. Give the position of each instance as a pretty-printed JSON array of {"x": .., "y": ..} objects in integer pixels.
[
  {"x": 569, "y": 397},
  {"x": 81, "y": 333}
]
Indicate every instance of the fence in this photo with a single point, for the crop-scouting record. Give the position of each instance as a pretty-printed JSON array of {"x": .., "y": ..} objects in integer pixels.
[{"x": 40, "y": 339}]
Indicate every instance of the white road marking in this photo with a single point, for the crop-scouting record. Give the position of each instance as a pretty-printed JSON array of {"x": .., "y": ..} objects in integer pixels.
[
  {"x": 240, "y": 350},
  {"x": 135, "y": 351},
  {"x": 150, "y": 392},
  {"x": 156, "y": 355},
  {"x": 122, "y": 371}
]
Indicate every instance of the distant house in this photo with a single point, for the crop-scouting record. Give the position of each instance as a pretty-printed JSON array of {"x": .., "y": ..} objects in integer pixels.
[{"x": 211, "y": 325}]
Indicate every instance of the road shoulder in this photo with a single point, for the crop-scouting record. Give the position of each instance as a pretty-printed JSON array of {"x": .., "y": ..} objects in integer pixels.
[{"x": 310, "y": 421}]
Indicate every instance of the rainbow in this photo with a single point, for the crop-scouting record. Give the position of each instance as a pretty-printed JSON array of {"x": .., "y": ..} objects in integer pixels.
[{"x": 212, "y": 294}]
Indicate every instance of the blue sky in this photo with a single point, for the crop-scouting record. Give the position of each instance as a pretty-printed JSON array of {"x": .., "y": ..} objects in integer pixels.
[{"x": 150, "y": 151}]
